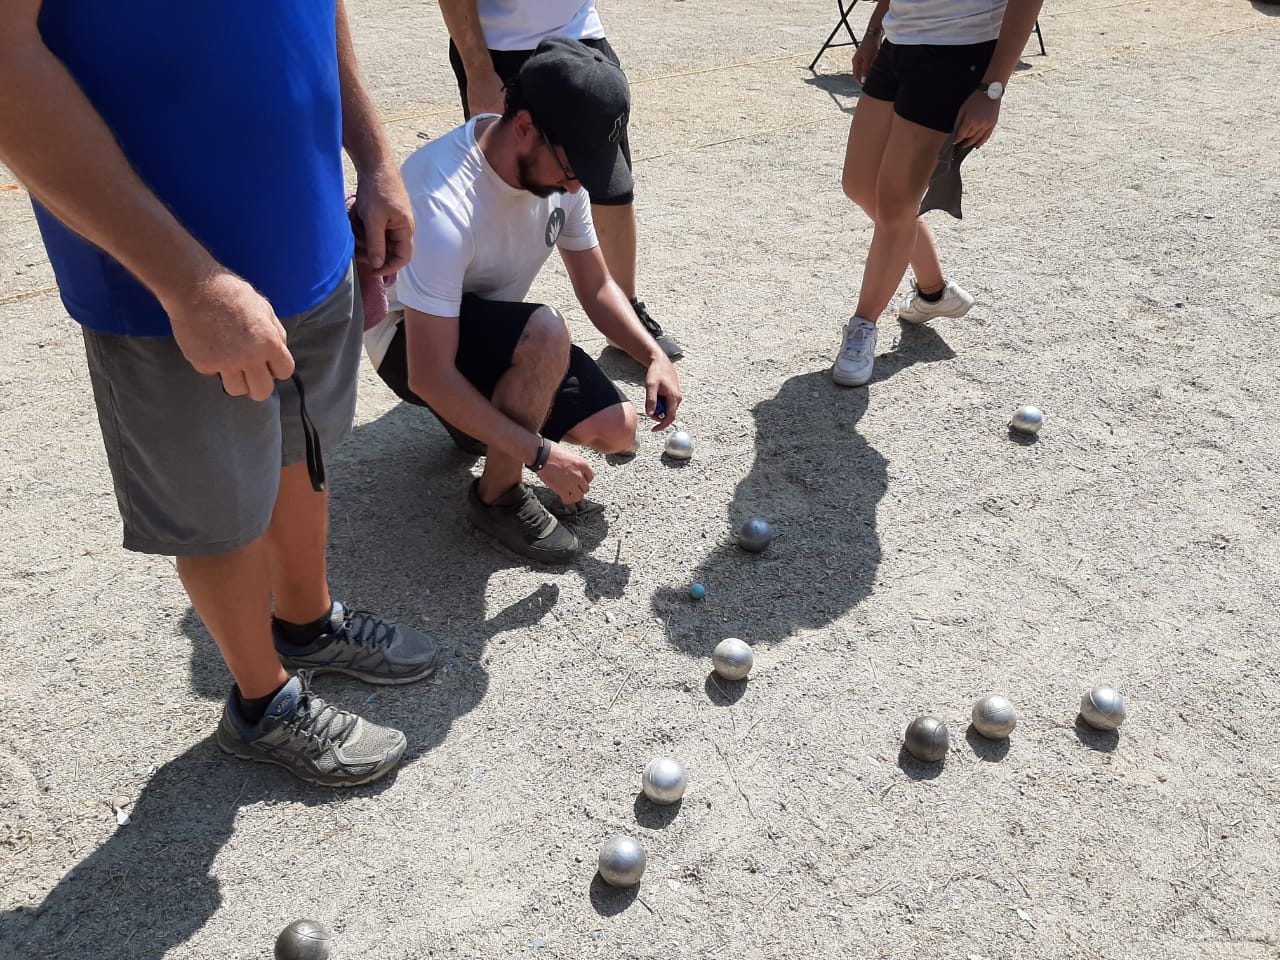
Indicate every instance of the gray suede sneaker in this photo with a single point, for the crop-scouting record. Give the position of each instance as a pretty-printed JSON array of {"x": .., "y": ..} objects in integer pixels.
[
  {"x": 311, "y": 739},
  {"x": 520, "y": 522},
  {"x": 362, "y": 644}
]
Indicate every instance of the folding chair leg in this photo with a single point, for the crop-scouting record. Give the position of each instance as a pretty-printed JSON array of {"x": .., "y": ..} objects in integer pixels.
[
  {"x": 1039, "y": 37},
  {"x": 845, "y": 13}
]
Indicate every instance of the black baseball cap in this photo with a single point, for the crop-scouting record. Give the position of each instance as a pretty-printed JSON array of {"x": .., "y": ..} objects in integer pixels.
[{"x": 581, "y": 100}]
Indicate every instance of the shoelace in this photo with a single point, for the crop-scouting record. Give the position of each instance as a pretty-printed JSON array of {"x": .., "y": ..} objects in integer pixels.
[
  {"x": 855, "y": 341},
  {"x": 650, "y": 324},
  {"x": 531, "y": 514},
  {"x": 368, "y": 629},
  {"x": 316, "y": 720}
]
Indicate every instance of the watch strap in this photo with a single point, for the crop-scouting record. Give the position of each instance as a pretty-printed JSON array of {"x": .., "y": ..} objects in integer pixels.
[{"x": 542, "y": 456}]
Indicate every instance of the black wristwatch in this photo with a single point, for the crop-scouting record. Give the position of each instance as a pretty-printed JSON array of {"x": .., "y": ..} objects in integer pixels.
[{"x": 542, "y": 456}]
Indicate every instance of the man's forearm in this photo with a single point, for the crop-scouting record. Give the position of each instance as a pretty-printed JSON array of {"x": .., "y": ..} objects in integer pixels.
[
  {"x": 55, "y": 142},
  {"x": 463, "y": 22},
  {"x": 611, "y": 313},
  {"x": 362, "y": 133},
  {"x": 1019, "y": 19}
]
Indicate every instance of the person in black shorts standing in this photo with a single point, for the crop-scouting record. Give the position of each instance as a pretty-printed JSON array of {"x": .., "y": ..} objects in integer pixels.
[
  {"x": 928, "y": 69},
  {"x": 490, "y": 41},
  {"x": 491, "y": 200}
]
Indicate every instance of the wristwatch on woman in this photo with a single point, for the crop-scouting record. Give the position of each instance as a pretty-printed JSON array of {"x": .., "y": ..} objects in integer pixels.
[{"x": 994, "y": 90}]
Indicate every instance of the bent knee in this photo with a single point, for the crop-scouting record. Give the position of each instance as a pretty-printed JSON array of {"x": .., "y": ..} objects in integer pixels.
[
  {"x": 894, "y": 203},
  {"x": 612, "y": 430},
  {"x": 546, "y": 334},
  {"x": 862, "y": 193}
]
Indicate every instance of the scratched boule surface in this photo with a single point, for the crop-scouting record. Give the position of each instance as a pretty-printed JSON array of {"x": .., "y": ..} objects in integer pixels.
[{"x": 1121, "y": 240}]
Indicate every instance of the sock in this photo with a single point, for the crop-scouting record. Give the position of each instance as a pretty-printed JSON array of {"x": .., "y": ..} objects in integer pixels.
[
  {"x": 932, "y": 297},
  {"x": 304, "y": 634},
  {"x": 255, "y": 709}
]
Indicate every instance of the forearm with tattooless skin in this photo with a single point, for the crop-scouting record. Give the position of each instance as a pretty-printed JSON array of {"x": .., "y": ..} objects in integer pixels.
[
  {"x": 1019, "y": 20},
  {"x": 362, "y": 133},
  {"x": 61, "y": 150},
  {"x": 463, "y": 22},
  {"x": 877, "y": 18}
]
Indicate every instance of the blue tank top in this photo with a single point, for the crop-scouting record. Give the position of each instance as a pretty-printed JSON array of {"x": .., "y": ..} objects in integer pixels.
[{"x": 231, "y": 113}]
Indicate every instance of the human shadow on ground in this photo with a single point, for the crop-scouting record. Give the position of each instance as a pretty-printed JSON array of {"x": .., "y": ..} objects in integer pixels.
[
  {"x": 1268, "y": 8},
  {"x": 837, "y": 85},
  {"x": 149, "y": 888},
  {"x": 818, "y": 481},
  {"x": 398, "y": 545}
]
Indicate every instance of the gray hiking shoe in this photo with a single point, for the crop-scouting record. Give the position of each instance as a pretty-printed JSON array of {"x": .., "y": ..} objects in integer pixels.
[
  {"x": 520, "y": 522},
  {"x": 311, "y": 739},
  {"x": 362, "y": 644}
]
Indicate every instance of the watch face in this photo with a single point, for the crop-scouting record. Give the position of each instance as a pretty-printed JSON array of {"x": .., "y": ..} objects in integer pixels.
[{"x": 995, "y": 90}]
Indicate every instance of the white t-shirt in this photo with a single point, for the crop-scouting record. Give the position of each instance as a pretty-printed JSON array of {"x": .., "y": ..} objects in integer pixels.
[
  {"x": 520, "y": 24},
  {"x": 943, "y": 22},
  {"x": 475, "y": 233}
]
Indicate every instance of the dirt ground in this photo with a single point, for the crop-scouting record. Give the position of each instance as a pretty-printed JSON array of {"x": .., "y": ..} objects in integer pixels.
[{"x": 1123, "y": 241}]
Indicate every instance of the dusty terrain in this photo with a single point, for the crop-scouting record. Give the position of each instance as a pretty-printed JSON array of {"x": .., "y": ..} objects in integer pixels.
[{"x": 1123, "y": 240}]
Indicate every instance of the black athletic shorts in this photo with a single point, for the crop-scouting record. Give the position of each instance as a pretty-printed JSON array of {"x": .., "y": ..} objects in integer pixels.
[
  {"x": 507, "y": 63},
  {"x": 488, "y": 331},
  {"x": 928, "y": 83}
]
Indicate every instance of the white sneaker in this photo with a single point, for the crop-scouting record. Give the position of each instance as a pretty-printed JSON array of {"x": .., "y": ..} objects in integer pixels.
[
  {"x": 857, "y": 356},
  {"x": 954, "y": 302}
]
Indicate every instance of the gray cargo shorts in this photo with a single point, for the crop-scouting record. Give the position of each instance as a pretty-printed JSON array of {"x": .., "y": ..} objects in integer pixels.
[{"x": 196, "y": 471}]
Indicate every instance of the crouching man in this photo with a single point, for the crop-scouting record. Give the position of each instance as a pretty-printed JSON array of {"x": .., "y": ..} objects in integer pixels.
[{"x": 491, "y": 200}]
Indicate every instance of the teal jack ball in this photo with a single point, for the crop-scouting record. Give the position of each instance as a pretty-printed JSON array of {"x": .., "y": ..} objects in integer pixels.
[{"x": 697, "y": 591}]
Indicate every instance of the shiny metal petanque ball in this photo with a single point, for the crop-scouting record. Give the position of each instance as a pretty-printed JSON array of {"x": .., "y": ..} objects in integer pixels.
[
  {"x": 303, "y": 940},
  {"x": 1026, "y": 420},
  {"x": 663, "y": 780},
  {"x": 927, "y": 739},
  {"x": 994, "y": 717},
  {"x": 679, "y": 446},
  {"x": 1102, "y": 708},
  {"x": 732, "y": 659},
  {"x": 621, "y": 862},
  {"x": 755, "y": 535}
]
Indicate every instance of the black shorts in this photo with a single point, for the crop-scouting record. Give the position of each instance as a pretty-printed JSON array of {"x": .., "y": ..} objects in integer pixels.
[
  {"x": 488, "y": 331},
  {"x": 928, "y": 83},
  {"x": 507, "y": 63}
]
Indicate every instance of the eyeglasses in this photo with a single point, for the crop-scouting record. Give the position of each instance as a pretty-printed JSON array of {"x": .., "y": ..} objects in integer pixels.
[{"x": 568, "y": 175}]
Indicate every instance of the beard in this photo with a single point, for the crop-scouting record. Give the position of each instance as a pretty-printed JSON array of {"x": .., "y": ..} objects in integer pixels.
[{"x": 524, "y": 173}]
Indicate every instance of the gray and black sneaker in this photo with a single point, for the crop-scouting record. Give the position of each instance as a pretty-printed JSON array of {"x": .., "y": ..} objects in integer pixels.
[
  {"x": 668, "y": 344},
  {"x": 363, "y": 645},
  {"x": 311, "y": 739},
  {"x": 520, "y": 522}
]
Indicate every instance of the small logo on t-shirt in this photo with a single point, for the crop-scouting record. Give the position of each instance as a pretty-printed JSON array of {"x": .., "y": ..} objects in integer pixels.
[
  {"x": 555, "y": 223},
  {"x": 616, "y": 133}
]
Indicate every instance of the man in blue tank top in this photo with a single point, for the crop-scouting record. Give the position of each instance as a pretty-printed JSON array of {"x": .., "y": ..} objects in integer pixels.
[{"x": 186, "y": 165}]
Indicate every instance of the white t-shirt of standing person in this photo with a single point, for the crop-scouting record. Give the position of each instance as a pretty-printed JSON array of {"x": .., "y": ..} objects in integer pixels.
[
  {"x": 520, "y": 24},
  {"x": 943, "y": 22}
]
